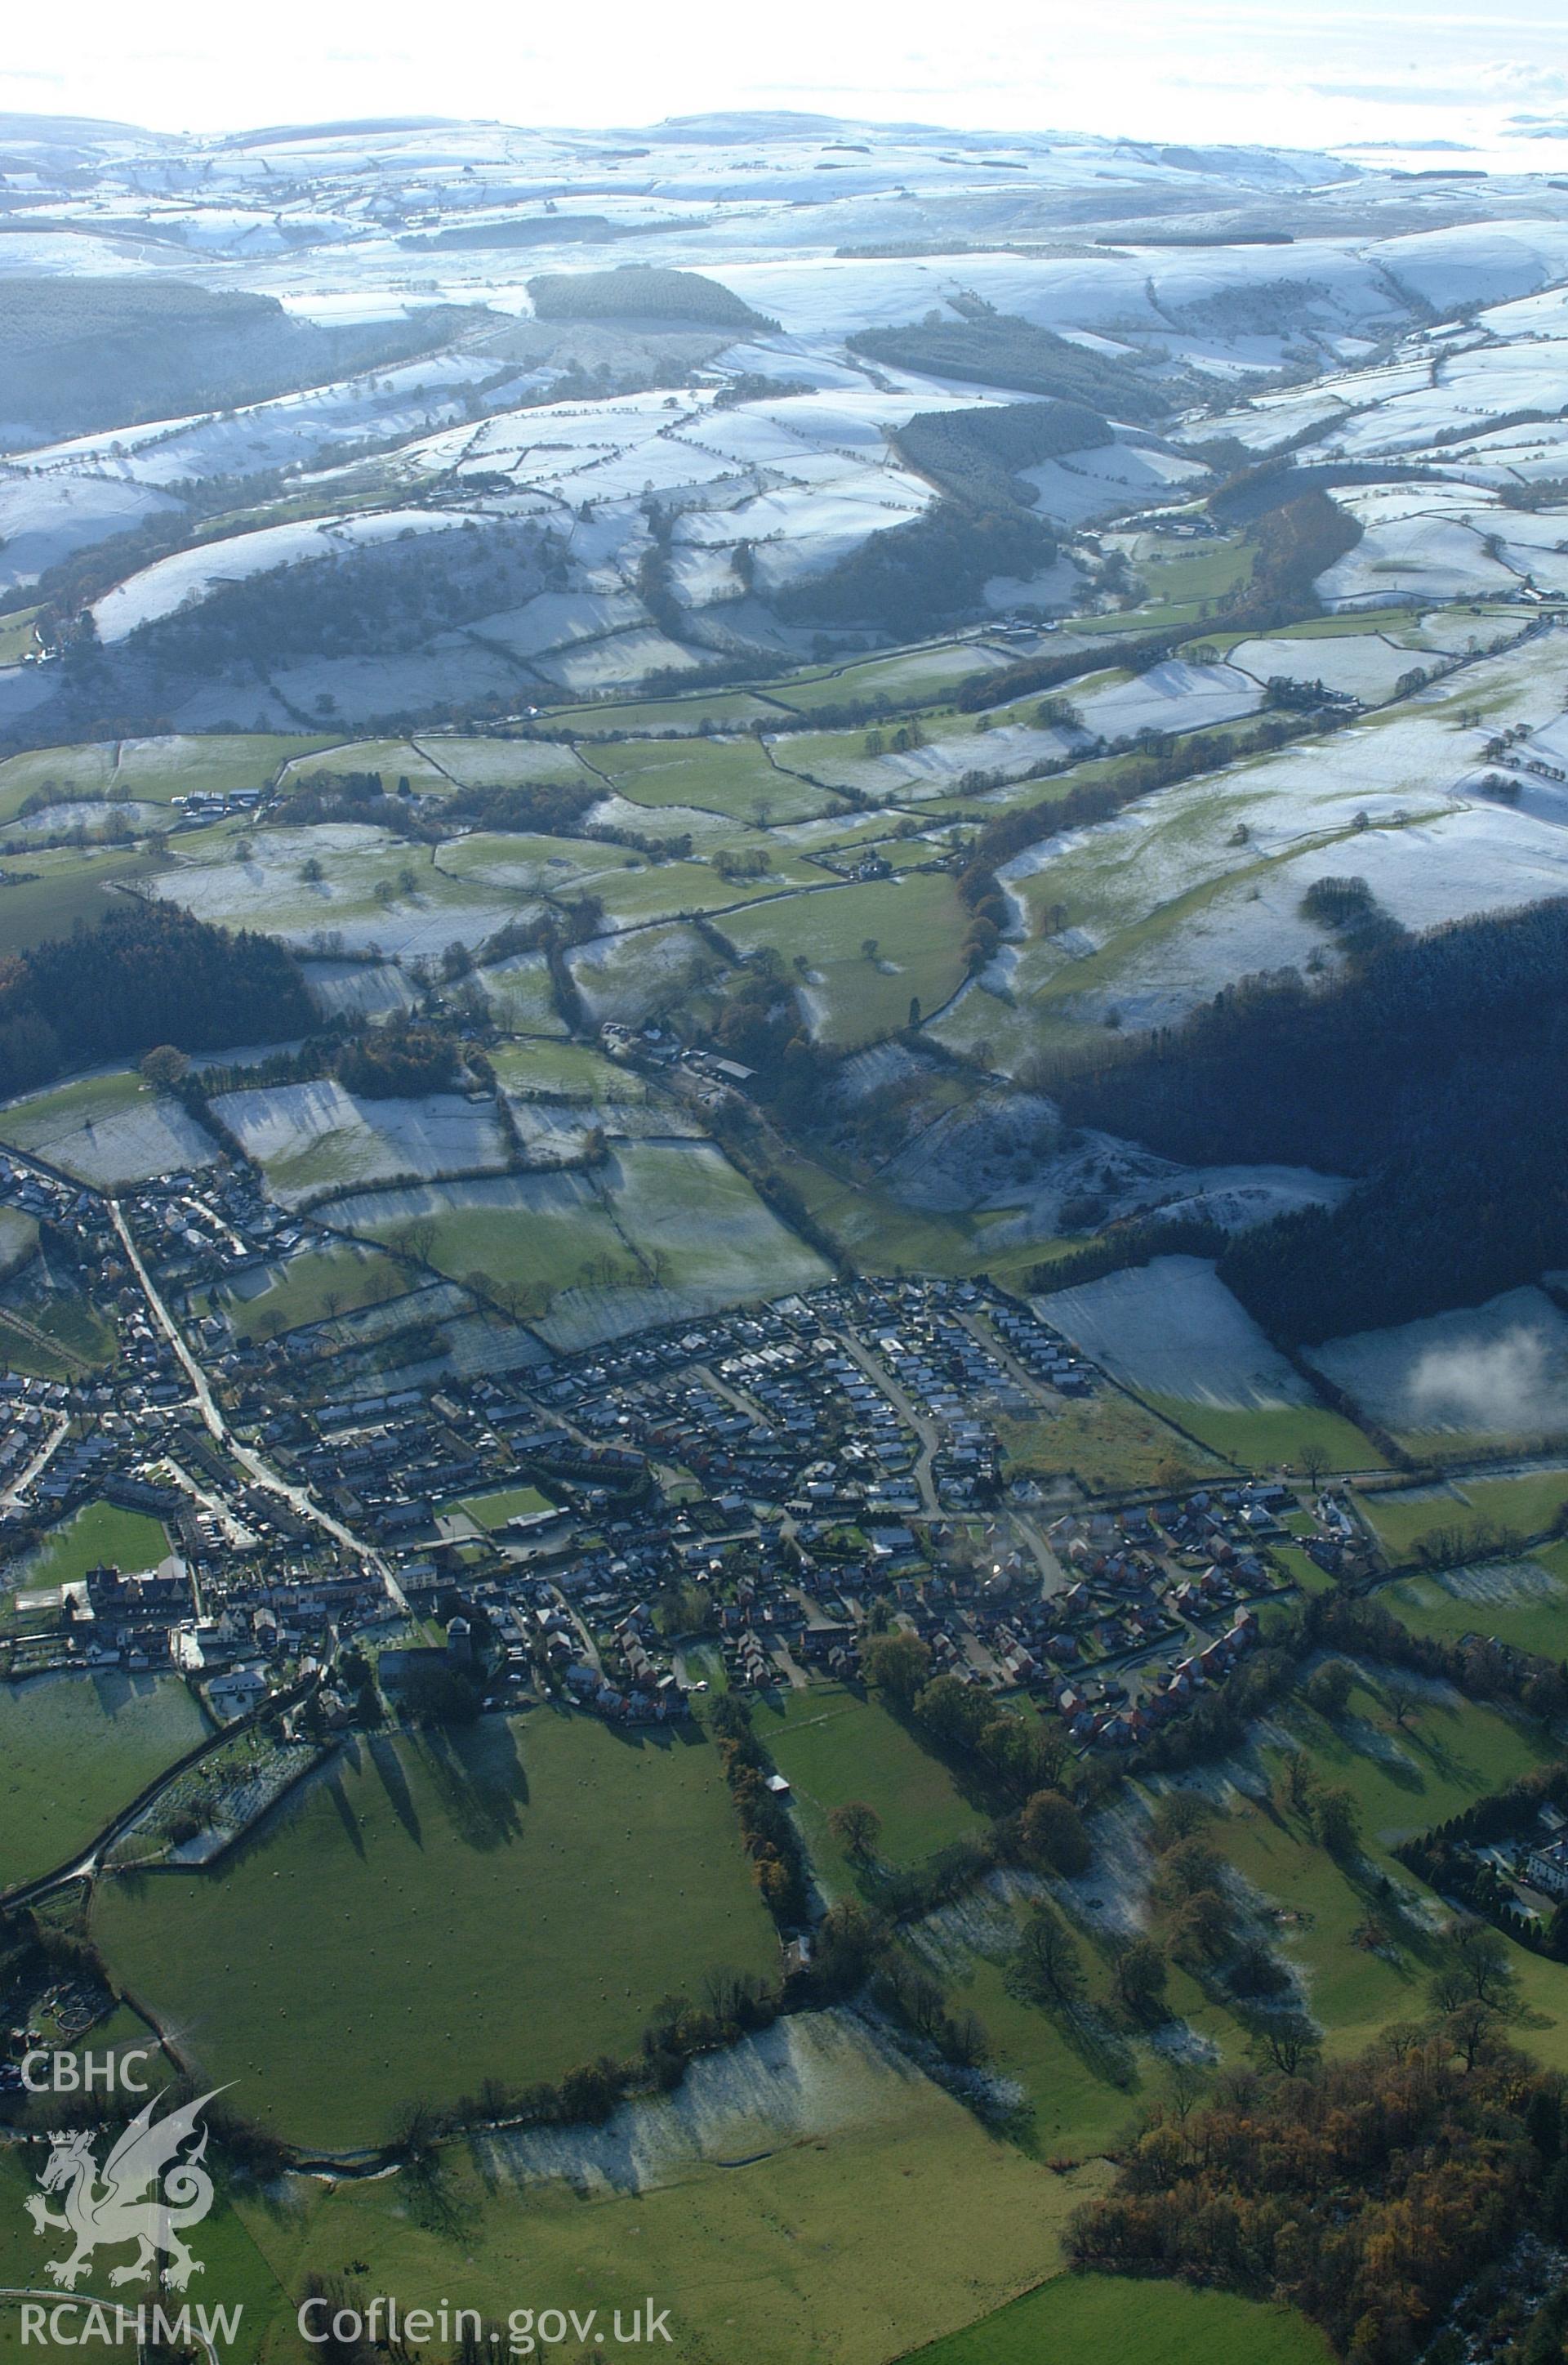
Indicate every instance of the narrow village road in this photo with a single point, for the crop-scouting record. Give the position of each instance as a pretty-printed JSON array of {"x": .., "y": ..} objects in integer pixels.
[
  {"x": 246, "y": 1456},
  {"x": 39, "y": 1463},
  {"x": 924, "y": 1430}
]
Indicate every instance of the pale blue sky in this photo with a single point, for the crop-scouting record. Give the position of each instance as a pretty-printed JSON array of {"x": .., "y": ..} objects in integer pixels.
[{"x": 1290, "y": 71}]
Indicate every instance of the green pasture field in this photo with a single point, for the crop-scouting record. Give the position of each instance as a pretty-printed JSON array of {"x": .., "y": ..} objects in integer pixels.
[
  {"x": 315, "y": 1286},
  {"x": 509, "y": 1899},
  {"x": 213, "y": 763},
  {"x": 98, "y": 1534},
  {"x": 15, "y": 634},
  {"x": 74, "y": 1748},
  {"x": 832, "y": 1747},
  {"x": 495, "y": 763},
  {"x": 65, "y": 884},
  {"x": 917, "y": 924},
  {"x": 846, "y": 2247},
  {"x": 1447, "y": 1755},
  {"x": 732, "y": 777},
  {"x": 1125, "y": 2321},
  {"x": 1268, "y": 1437},
  {"x": 532, "y": 1232},
  {"x": 572, "y": 1071},
  {"x": 1523, "y": 1603},
  {"x": 723, "y": 710},
  {"x": 534, "y": 862},
  {"x": 909, "y": 678},
  {"x": 234, "y": 2274},
  {"x": 520, "y": 994},
  {"x": 1404, "y": 1519},
  {"x": 1108, "y": 1440},
  {"x": 509, "y": 1503},
  {"x": 43, "y": 1118},
  {"x": 395, "y": 760}
]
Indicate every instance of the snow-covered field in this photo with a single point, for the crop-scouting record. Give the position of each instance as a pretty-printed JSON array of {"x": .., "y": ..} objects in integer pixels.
[
  {"x": 186, "y": 578},
  {"x": 810, "y": 2077},
  {"x": 309, "y": 1138},
  {"x": 1493, "y": 1370},
  {"x": 418, "y": 911},
  {"x": 341, "y": 989},
  {"x": 107, "y": 1133},
  {"x": 629, "y": 976},
  {"x": 1202, "y": 883},
  {"x": 1361, "y": 665},
  {"x": 1173, "y": 1328}
]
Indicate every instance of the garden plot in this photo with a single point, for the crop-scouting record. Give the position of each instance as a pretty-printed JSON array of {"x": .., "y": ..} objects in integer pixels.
[
  {"x": 310, "y": 1138},
  {"x": 188, "y": 575},
  {"x": 108, "y": 1130},
  {"x": 376, "y": 892},
  {"x": 1493, "y": 1370},
  {"x": 1171, "y": 1329}
]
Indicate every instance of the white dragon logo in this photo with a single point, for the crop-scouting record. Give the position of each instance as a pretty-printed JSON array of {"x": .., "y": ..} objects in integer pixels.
[{"x": 117, "y": 2206}]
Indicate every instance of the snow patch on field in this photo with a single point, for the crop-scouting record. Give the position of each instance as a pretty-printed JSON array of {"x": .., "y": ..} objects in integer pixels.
[
  {"x": 310, "y": 1138},
  {"x": 1173, "y": 1328},
  {"x": 189, "y": 574},
  {"x": 811, "y": 2074},
  {"x": 1500, "y": 1585},
  {"x": 358, "y": 988},
  {"x": 1498, "y": 1370},
  {"x": 127, "y": 1144}
]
